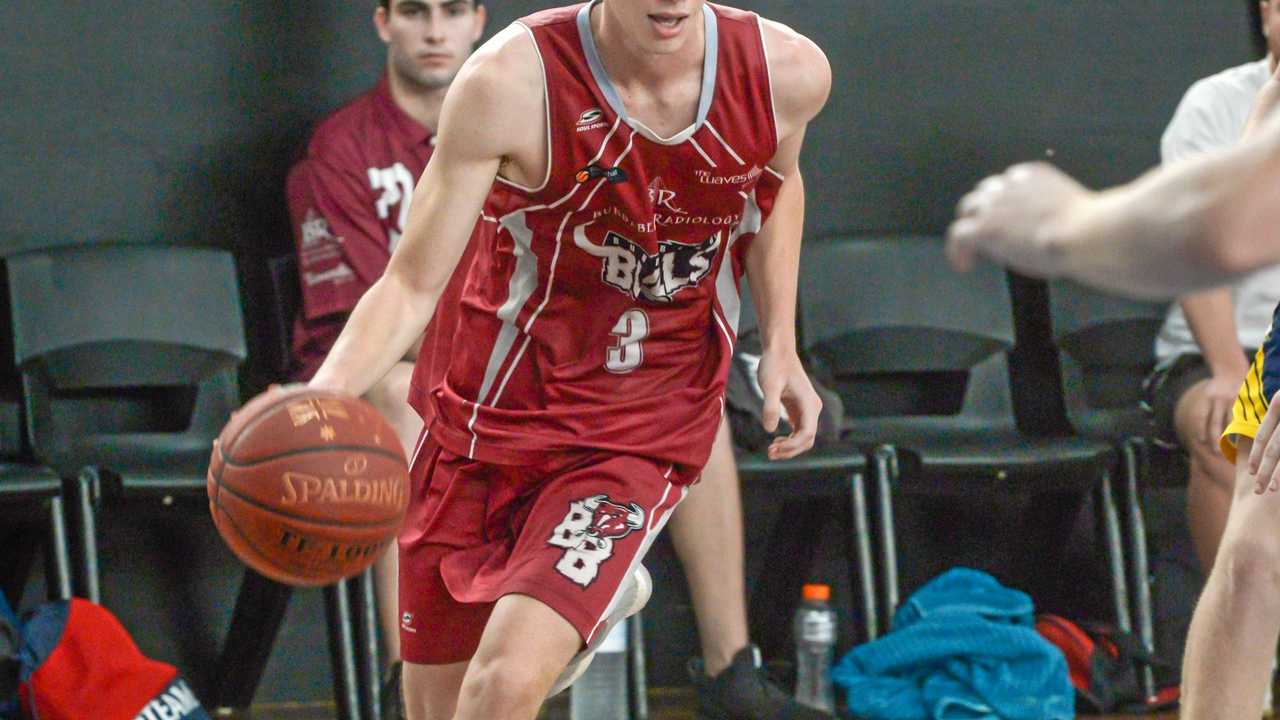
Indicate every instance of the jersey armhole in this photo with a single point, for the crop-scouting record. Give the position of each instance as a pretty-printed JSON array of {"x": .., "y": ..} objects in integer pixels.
[
  {"x": 768, "y": 74},
  {"x": 546, "y": 101}
]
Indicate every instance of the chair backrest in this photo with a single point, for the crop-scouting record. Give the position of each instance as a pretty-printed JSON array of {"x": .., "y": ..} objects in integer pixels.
[
  {"x": 1106, "y": 348},
  {"x": 114, "y": 341},
  {"x": 905, "y": 335}
]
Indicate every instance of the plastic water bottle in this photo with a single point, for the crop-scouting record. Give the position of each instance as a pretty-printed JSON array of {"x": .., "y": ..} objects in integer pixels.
[
  {"x": 601, "y": 692},
  {"x": 815, "y": 634}
]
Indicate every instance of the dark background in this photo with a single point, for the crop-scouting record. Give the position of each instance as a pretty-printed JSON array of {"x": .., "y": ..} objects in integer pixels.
[{"x": 145, "y": 121}]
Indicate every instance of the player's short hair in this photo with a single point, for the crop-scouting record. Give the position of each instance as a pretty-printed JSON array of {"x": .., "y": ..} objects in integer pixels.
[{"x": 386, "y": 4}]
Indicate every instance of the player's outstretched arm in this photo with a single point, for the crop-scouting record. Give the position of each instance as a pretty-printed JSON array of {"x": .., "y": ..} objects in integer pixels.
[
  {"x": 801, "y": 80},
  {"x": 484, "y": 122},
  {"x": 1181, "y": 227}
]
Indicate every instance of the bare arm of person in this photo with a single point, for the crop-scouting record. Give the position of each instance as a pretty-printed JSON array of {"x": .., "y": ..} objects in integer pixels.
[
  {"x": 1191, "y": 225},
  {"x": 801, "y": 79},
  {"x": 484, "y": 123}
]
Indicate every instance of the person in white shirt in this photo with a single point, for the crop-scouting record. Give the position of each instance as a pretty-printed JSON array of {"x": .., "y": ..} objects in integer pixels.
[{"x": 1208, "y": 337}]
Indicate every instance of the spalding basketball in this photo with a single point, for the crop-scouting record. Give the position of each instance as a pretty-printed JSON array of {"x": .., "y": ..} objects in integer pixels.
[{"x": 307, "y": 486}]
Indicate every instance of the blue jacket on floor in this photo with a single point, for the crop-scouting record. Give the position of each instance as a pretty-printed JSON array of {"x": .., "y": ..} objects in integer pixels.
[{"x": 963, "y": 646}]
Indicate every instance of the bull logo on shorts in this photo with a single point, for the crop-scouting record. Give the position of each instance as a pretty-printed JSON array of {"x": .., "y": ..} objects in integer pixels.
[{"x": 588, "y": 532}]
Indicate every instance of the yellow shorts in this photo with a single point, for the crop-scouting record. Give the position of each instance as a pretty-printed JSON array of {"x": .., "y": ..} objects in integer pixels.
[{"x": 1261, "y": 383}]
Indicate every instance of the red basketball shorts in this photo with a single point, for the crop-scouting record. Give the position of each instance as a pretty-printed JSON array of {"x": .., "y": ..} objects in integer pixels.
[{"x": 566, "y": 532}]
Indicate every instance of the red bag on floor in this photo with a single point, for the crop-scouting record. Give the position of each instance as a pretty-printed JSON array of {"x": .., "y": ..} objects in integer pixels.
[
  {"x": 78, "y": 662},
  {"x": 1104, "y": 665}
]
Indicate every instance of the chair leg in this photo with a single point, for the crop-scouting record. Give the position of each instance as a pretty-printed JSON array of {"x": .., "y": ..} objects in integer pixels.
[
  {"x": 58, "y": 581},
  {"x": 1106, "y": 504},
  {"x": 342, "y": 651},
  {"x": 1137, "y": 555},
  {"x": 84, "y": 491},
  {"x": 639, "y": 682},
  {"x": 862, "y": 546},
  {"x": 886, "y": 463},
  {"x": 366, "y": 606},
  {"x": 259, "y": 612}
]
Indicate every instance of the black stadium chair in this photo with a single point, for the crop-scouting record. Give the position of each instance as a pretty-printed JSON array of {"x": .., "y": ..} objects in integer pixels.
[
  {"x": 128, "y": 357},
  {"x": 919, "y": 354},
  {"x": 1105, "y": 347},
  {"x": 27, "y": 491}
]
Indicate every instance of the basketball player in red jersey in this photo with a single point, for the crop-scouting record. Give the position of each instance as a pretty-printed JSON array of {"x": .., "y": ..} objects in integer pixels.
[{"x": 641, "y": 155}]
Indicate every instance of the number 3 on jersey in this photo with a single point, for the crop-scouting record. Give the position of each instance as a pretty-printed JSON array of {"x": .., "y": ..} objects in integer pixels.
[{"x": 630, "y": 330}]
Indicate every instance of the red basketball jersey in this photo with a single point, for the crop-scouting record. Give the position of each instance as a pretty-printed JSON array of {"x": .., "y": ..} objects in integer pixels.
[
  {"x": 602, "y": 312},
  {"x": 349, "y": 200}
]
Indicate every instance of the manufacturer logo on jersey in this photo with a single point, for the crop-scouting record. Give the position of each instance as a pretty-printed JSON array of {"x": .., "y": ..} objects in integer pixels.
[
  {"x": 406, "y": 622},
  {"x": 659, "y": 277},
  {"x": 587, "y": 534},
  {"x": 614, "y": 175},
  {"x": 592, "y": 119},
  {"x": 660, "y": 196}
]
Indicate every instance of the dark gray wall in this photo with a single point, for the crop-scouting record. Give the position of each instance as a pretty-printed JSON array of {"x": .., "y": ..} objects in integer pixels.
[
  {"x": 154, "y": 121},
  {"x": 157, "y": 121}
]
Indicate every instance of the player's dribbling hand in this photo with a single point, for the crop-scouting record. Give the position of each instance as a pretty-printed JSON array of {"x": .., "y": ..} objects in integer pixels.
[
  {"x": 786, "y": 385},
  {"x": 1006, "y": 219},
  {"x": 1266, "y": 451}
]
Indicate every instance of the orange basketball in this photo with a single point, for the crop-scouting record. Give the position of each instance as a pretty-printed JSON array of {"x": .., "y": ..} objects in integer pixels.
[{"x": 307, "y": 486}]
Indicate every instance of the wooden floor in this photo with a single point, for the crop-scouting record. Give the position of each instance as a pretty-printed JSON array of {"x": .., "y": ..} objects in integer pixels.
[{"x": 664, "y": 704}]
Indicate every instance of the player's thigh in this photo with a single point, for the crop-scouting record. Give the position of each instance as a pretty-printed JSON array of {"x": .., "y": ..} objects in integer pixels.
[
  {"x": 1188, "y": 413},
  {"x": 526, "y": 643}
]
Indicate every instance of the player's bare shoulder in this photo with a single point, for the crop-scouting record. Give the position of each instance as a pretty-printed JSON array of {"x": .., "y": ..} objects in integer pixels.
[
  {"x": 489, "y": 107},
  {"x": 800, "y": 76}
]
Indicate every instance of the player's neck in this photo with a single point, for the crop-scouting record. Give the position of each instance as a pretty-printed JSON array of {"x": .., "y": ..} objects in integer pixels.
[
  {"x": 417, "y": 102},
  {"x": 628, "y": 63}
]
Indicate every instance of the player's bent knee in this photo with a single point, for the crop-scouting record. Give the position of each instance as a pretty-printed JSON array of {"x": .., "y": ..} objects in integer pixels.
[
  {"x": 1252, "y": 567},
  {"x": 503, "y": 684}
]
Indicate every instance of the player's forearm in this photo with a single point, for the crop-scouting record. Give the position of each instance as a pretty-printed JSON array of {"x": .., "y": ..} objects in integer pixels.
[
  {"x": 1154, "y": 237},
  {"x": 773, "y": 264},
  {"x": 1210, "y": 315},
  {"x": 382, "y": 328}
]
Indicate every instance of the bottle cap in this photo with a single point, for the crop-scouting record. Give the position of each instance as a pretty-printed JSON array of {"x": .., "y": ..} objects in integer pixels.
[{"x": 816, "y": 591}]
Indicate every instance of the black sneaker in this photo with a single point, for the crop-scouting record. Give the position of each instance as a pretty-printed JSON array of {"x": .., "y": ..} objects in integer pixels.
[
  {"x": 745, "y": 692},
  {"x": 392, "y": 699}
]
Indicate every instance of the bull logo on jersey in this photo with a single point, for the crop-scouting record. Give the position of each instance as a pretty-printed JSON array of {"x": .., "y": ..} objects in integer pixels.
[
  {"x": 588, "y": 532},
  {"x": 659, "y": 277}
]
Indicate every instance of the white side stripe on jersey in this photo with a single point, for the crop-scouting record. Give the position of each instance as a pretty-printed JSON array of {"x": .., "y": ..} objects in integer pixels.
[
  {"x": 726, "y": 287},
  {"x": 552, "y": 277}
]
